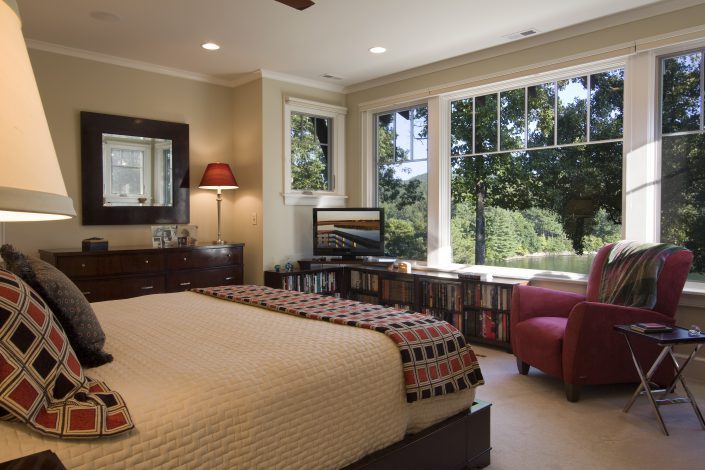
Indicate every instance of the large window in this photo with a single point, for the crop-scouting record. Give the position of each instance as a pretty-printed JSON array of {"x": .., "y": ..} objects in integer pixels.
[
  {"x": 314, "y": 152},
  {"x": 402, "y": 180},
  {"x": 537, "y": 170},
  {"x": 683, "y": 155}
]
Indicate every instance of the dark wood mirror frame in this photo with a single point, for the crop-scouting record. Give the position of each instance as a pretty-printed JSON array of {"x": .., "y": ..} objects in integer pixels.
[{"x": 93, "y": 126}]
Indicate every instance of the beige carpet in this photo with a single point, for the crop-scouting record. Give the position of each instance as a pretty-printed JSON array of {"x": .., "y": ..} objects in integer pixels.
[{"x": 535, "y": 427}]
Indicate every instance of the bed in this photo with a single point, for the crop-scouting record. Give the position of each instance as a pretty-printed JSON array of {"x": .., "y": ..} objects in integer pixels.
[{"x": 207, "y": 388}]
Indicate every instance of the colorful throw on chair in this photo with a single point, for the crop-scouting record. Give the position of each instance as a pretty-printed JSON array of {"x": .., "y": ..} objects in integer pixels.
[
  {"x": 630, "y": 274},
  {"x": 435, "y": 358}
]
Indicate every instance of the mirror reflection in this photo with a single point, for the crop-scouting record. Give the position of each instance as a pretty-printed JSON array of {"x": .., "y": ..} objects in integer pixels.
[{"x": 137, "y": 171}]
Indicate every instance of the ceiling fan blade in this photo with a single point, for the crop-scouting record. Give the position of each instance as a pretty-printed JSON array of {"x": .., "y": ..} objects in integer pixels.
[{"x": 298, "y": 4}]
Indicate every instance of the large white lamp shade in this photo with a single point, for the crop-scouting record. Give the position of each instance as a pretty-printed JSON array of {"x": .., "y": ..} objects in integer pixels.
[{"x": 31, "y": 185}]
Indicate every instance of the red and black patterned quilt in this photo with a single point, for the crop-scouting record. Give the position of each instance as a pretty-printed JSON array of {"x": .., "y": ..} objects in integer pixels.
[{"x": 436, "y": 360}]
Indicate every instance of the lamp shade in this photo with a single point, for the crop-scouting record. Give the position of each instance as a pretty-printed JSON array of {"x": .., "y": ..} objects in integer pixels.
[
  {"x": 218, "y": 176},
  {"x": 31, "y": 186}
]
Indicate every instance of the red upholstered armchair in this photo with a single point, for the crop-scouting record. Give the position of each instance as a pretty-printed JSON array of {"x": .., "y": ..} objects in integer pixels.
[{"x": 570, "y": 336}]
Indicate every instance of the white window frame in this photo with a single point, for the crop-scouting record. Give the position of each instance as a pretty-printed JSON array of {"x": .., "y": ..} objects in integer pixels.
[
  {"x": 108, "y": 197},
  {"x": 336, "y": 196}
]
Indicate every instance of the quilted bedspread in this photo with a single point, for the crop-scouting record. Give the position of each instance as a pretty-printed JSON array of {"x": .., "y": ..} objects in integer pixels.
[
  {"x": 207, "y": 389},
  {"x": 435, "y": 358}
]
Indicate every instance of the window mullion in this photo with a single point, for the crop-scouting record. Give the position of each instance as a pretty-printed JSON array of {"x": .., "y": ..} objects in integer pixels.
[
  {"x": 555, "y": 113},
  {"x": 588, "y": 107}
]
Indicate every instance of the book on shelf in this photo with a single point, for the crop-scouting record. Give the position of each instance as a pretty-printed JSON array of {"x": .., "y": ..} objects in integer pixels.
[{"x": 650, "y": 327}]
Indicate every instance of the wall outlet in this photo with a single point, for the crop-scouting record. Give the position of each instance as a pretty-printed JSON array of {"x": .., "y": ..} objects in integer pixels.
[{"x": 253, "y": 218}]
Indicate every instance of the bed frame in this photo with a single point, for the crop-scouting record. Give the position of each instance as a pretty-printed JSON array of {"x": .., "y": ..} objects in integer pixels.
[{"x": 460, "y": 442}]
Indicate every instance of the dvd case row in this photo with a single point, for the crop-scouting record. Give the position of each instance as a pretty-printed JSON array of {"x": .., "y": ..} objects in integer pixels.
[{"x": 322, "y": 283}]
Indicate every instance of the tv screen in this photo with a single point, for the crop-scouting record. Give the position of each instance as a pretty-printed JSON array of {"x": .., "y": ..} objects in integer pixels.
[{"x": 348, "y": 232}]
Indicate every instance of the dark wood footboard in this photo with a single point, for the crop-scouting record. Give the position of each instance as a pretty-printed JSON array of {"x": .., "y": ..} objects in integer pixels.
[{"x": 461, "y": 441}]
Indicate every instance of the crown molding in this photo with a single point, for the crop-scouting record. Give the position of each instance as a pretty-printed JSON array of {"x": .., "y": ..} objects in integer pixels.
[
  {"x": 147, "y": 67},
  {"x": 283, "y": 77},
  {"x": 120, "y": 61}
]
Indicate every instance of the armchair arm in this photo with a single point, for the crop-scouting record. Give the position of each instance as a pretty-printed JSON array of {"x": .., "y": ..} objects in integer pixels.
[
  {"x": 591, "y": 344},
  {"x": 530, "y": 301}
]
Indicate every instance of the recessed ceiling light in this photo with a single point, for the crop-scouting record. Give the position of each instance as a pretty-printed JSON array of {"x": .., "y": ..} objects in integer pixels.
[
  {"x": 378, "y": 50},
  {"x": 210, "y": 46}
]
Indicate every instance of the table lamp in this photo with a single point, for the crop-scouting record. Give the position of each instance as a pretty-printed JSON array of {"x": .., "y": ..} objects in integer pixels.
[
  {"x": 218, "y": 176},
  {"x": 31, "y": 185}
]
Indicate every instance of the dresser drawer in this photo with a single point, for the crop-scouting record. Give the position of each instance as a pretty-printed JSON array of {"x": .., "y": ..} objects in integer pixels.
[
  {"x": 187, "y": 279},
  {"x": 205, "y": 258},
  {"x": 105, "y": 265},
  {"x": 97, "y": 290}
]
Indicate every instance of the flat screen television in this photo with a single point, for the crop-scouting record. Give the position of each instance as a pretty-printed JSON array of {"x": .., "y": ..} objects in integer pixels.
[{"x": 348, "y": 232}]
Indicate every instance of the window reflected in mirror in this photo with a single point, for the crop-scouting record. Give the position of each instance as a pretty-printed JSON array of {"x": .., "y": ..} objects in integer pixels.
[{"x": 136, "y": 171}]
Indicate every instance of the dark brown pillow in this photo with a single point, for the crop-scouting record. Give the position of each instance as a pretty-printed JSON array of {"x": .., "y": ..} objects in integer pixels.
[{"x": 66, "y": 301}]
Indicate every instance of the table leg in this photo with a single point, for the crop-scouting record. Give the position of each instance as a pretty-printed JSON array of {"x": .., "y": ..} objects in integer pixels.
[
  {"x": 679, "y": 376},
  {"x": 645, "y": 382}
]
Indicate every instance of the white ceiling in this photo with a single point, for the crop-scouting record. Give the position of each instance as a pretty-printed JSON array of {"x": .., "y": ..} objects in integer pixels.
[{"x": 331, "y": 37}]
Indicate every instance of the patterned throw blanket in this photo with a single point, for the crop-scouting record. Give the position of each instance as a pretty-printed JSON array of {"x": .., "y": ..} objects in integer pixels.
[
  {"x": 630, "y": 274},
  {"x": 435, "y": 358}
]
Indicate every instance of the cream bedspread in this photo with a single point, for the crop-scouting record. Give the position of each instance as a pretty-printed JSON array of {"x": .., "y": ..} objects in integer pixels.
[{"x": 207, "y": 388}]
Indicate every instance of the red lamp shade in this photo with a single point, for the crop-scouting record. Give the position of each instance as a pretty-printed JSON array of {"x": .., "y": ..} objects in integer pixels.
[{"x": 218, "y": 176}]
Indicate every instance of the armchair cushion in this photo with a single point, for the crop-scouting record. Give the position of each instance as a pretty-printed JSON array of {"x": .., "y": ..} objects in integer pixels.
[{"x": 541, "y": 339}]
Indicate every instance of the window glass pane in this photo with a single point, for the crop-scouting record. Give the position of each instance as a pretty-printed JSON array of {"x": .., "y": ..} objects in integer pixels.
[
  {"x": 486, "y": 123},
  {"x": 512, "y": 119},
  {"x": 126, "y": 181},
  {"x": 606, "y": 105},
  {"x": 561, "y": 202},
  {"x": 403, "y": 183},
  {"x": 541, "y": 114},
  {"x": 572, "y": 110},
  {"x": 683, "y": 196},
  {"x": 404, "y": 133},
  {"x": 420, "y": 134},
  {"x": 461, "y": 126},
  {"x": 310, "y": 165},
  {"x": 125, "y": 157},
  {"x": 680, "y": 102}
]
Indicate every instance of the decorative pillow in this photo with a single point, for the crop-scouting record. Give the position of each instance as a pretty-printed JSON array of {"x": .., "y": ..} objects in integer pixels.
[
  {"x": 41, "y": 382},
  {"x": 66, "y": 301}
]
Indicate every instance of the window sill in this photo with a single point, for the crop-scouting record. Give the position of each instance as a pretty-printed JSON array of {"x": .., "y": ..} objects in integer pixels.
[
  {"x": 693, "y": 292},
  {"x": 314, "y": 199}
]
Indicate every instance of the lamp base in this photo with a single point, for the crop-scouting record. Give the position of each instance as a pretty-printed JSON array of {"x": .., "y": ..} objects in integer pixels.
[{"x": 219, "y": 242}]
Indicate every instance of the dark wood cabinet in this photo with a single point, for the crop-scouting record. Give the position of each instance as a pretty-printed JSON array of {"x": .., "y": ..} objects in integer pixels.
[{"x": 130, "y": 272}]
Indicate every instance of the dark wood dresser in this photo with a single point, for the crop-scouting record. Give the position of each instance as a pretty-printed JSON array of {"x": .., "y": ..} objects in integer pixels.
[{"x": 119, "y": 273}]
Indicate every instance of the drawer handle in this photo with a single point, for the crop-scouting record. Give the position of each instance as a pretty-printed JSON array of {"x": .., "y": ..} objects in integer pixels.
[
  {"x": 83, "y": 265},
  {"x": 229, "y": 255},
  {"x": 229, "y": 278},
  {"x": 185, "y": 258},
  {"x": 147, "y": 287},
  {"x": 146, "y": 261},
  {"x": 86, "y": 292},
  {"x": 184, "y": 283}
]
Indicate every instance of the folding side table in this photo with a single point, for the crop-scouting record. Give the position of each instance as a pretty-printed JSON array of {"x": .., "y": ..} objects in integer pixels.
[{"x": 667, "y": 341}]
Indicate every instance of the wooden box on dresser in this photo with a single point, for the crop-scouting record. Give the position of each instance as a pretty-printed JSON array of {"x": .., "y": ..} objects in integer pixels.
[{"x": 119, "y": 273}]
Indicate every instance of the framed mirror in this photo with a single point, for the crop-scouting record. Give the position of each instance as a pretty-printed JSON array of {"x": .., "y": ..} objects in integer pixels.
[{"x": 133, "y": 170}]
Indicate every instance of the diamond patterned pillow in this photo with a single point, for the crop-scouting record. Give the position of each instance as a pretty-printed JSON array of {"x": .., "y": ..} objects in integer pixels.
[
  {"x": 41, "y": 381},
  {"x": 66, "y": 301}
]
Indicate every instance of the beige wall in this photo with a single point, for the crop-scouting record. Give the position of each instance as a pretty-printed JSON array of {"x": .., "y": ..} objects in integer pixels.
[
  {"x": 247, "y": 167},
  {"x": 287, "y": 229},
  {"x": 68, "y": 85}
]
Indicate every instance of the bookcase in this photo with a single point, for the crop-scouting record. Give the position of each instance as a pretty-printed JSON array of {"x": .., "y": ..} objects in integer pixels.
[
  {"x": 480, "y": 310},
  {"x": 328, "y": 281},
  {"x": 486, "y": 310}
]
